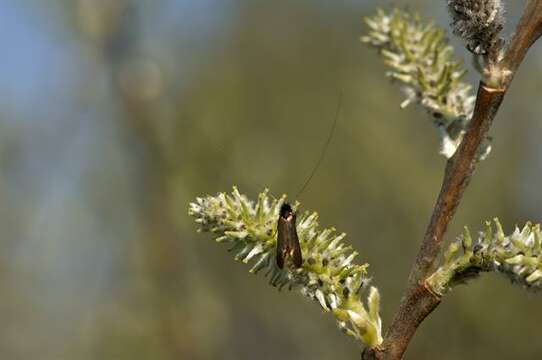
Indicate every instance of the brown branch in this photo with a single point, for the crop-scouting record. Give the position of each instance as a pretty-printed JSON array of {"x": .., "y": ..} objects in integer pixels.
[
  {"x": 456, "y": 178},
  {"x": 418, "y": 302},
  {"x": 528, "y": 31},
  {"x": 414, "y": 309}
]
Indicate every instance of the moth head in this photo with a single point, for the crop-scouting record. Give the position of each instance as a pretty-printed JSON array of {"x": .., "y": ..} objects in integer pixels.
[{"x": 286, "y": 211}]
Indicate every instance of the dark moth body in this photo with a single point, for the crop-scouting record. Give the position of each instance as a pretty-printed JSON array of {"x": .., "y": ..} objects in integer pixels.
[{"x": 288, "y": 249}]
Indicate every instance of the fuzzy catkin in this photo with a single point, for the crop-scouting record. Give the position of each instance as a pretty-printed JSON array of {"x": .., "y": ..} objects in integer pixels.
[
  {"x": 328, "y": 274},
  {"x": 478, "y": 22}
]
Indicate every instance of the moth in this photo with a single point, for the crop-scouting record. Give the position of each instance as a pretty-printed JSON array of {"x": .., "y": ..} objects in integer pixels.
[{"x": 288, "y": 248}]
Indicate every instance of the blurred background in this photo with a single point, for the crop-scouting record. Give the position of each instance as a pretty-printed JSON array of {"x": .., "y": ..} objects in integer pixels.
[{"x": 114, "y": 115}]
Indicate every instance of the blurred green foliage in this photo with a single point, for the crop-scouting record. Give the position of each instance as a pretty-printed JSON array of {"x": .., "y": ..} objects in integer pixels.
[{"x": 156, "y": 103}]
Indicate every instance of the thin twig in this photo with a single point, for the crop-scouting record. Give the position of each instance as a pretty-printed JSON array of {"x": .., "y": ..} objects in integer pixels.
[
  {"x": 418, "y": 302},
  {"x": 528, "y": 31}
]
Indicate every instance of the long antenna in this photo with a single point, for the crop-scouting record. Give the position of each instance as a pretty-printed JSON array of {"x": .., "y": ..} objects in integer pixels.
[{"x": 333, "y": 126}]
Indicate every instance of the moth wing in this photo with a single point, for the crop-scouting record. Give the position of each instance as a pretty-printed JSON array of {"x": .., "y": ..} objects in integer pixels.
[
  {"x": 282, "y": 241},
  {"x": 288, "y": 243},
  {"x": 297, "y": 258}
]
